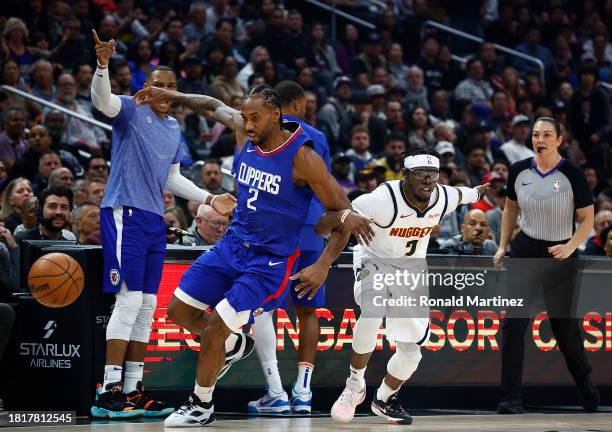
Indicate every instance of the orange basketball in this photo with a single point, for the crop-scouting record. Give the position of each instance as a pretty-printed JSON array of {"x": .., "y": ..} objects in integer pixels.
[{"x": 56, "y": 280}]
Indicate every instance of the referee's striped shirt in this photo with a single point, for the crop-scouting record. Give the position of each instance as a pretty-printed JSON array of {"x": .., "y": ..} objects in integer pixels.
[{"x": 548, "y": 200}]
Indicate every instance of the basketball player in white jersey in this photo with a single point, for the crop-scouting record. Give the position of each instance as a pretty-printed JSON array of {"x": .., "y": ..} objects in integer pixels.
[{"x": 404, "y": 213}]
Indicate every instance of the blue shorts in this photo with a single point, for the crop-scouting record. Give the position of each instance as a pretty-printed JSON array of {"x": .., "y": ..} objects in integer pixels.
[
  {"x": 134, "y": 248},
  {"x": 249, "y": 280},
  {"x": 307, "y": 258}
]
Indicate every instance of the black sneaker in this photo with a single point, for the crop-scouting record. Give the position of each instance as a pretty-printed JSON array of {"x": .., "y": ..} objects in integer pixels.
[
  {"x": 513, "y": 406},
  {"x": 244, "y": 347},
  {"x": 589, "y": 396},
  {"x": 193, "y": 413},
  {"x": 112, "y": 403},
  {"x": 151, "y": 407},
  {"x": 391, "y": 410}
]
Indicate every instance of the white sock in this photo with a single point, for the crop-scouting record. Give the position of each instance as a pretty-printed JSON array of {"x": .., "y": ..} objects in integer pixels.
[
  {"x": 384, "y": 392},
  {"x": 230, "y": 342},
  {"x": 133, "y": 374},
  {"x": 302, "y": 384},
  {"x": 204, "y": 393},
  {"x": 265, "y": 345},
  {"x": 112, "y": 374},
  {"x": 273, "y": 379},
  {"x": 358, "y": 375}
]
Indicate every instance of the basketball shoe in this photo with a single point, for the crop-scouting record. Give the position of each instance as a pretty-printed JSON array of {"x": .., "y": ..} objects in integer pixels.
[
  {"x": 193, "y": 413},
  {"x": 353, "y": 394},
  {"x": 112, "y": 403},
  {"x": 301, "y": 403},
  {"x": 271, "y": 403},
  {"x": 151, "y": 407},
  {"x": 243, "y": 348},
  {"x": 391, "y": 410}
]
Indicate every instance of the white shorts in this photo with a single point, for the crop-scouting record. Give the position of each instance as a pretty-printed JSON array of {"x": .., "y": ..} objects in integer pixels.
[{"x": 390, "y": 298}]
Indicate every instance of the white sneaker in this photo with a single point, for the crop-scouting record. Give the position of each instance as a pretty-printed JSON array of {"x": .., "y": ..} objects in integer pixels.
[
  {"x": 301, "y": 403},
  {"x": 193, "y": 413},
  {"x": 353, "y": 394},
  {"x": 271, "y": 403}
]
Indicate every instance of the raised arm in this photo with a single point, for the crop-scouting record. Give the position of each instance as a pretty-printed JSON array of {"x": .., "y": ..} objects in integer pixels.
[
  {"x": 206, "y": 106},
  {"x": 101, "y": 96}
]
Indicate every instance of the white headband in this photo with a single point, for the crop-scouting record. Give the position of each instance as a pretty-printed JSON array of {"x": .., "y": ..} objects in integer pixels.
[{"x": 421, "y": 160}]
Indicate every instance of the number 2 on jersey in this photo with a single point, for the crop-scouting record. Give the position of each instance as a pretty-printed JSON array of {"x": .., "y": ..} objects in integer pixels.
[
  {"x": 250, "y": 201},
  {"x": 411, "y": 247}
]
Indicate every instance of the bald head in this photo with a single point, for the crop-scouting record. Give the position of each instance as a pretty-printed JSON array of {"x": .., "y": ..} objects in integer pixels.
[
  {"x": 61, "y": 177},
  {"x": 475, "y": 227},
  {"x": 210, "y": 224}
]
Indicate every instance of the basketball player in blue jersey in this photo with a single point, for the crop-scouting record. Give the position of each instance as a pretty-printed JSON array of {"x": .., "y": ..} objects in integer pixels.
[
  {"x": 293, "y": 106},
  {"x": 144, "y": 161},
  {"x": 247, "y": 271}
]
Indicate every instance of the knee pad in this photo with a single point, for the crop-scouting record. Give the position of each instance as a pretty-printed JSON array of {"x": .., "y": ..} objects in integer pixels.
[
  {"x": 365, "y": 334},
  {"x": 142, "y": 326},
  {"x": 127, "y": 306},
  {"x": 405, "y": 360}
]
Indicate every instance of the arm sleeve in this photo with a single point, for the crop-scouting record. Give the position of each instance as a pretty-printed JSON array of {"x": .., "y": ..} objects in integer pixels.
[
  {"x": 583, "y": 197},
  {"x": 179, "y": 185},
  {"x": 376, "y": 206},
  {"x": 101, "y": 96}
]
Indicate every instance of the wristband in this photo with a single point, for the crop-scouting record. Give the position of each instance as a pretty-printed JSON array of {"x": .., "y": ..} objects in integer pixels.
[
  {"x": 102, "y": 67},
  {"x": 212, "y": 200},
  {"x": 345, "y": 214}
]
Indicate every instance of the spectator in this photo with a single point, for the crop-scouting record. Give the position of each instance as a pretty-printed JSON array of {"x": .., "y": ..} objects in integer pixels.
[
  {"x": 79, "y": 190},
  {"x": 297, "y": 41},
  {"x": 12, "y": 143},
  {"x": 416, "y": 92},
  {"x": 320, "y": 55},
  {"x": 446, "y": 150},
  {"x": 194, "y": 80},
  {"x": 3, "y": 173},
  {"x": 11, "y": 76},
  {"x": 95, "y": 190},
  {"x": 504, "y": 30},
  {"x": 376, "y": 93},
  {"x": 347, "y": 47},
  {"x": 429, "y": 64},
  {"x": 474, "y": 88},
  {"x": 341, "y": 170},
  {"x": 42, "y": 80},
  {"x": 129, "y": 21},
  {"x": 516, "y": 149},
  {"x": 56, "y": 205},
  {"x": 61, "y": 177},
  {"x": 107, "y": 30},
  {"x": 440, "y": 107},
  {"x": 123, "y": 74},
  {"x": 225, "y": 85},
  {"x": 475, "y": 163},
  {"x": 310, "y": 115},
  {"x": 169, "y": 199},
  {"x": 363, "y": 65},
  {"x": 532, "y": 47},
  {"x": 141, "y": 66},
  {"x": 209, "y": 227},
  {"x": 594, "y": 245},
  {"x": 86, "y": 218},
  {"x": 267, "y": 69},
  {"x": 273, "y": 37},
  {"x": 360, "y": 143},
  {"x": 366, "y": 180},
  {"x": 491, "y": 63},
  {"x": 494, "y": 215},
  {"x": 589, "y": 119},
  {"x": 196, "y": 29},
  {"x": 392, "y": 159},
  {"x": 74, "y": 48},
  {"x": 336, "y": 110},
  {"x": 591, "y": 178},
  {"x": 223, "y": 38},
  {"x": 210, "y": 176},
  {"x": 9, "y": 276},
  {"x": 15, "y": 34},
  {"x": 15, "y": 193},
  {"x": 606, "y": 239},
  {"x": 174, "y": 217},
  {"x": 501, "y": 167},
  {"x": 56, "y": 128},
  {"x": 397, "y": 67},
  {"x": 28, "y": 214},
  {"x": 83, "y": 74},
  {"x": 394, "y": 117},
  {"x": 258, "y": 54},
  {"x": 420, "y": 132},
  {"x": 216, "y": 12},
  {"x": 488, "y": 201},
  {"x": 47, "y": 162},
  {"x": 361, "y": 113},
  {"x": 473, "y": 239},
  {"x": 500, "y": 106},
  {"x": 97, "y": 167},
  {"x": 451, "y": 71},
  {"x": 536, "y": 92}
]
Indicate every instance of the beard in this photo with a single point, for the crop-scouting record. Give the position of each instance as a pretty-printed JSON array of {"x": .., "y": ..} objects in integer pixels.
[{"x": 48, "y": 224}]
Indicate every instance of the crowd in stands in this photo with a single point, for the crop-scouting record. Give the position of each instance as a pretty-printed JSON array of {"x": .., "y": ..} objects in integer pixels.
[{"x": 374, "y": 93}]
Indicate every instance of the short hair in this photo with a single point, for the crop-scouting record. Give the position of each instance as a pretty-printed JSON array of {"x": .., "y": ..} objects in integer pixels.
[
  {"x": 360, "y": 129},
  {"x": 77, "y": 212},
  {"x": 396, "y": 136},
  {"x": 253, "y": 77},
  {"x": 587, "y": 69},
  {"x": 96, "y": 180},
  {"x": 289, "y": 91},
  {"x": 220, "y": 22},
  {"x": 501, "y": 161},
  {"x": 95, "y": 156},
  {"x": 471, "y": 61},
  {"x": 10, "y": 111},
  {"x": 57, "y": 191},
  {"x": 55, "y": 174},
  {"x": 552, "y": 121},
  {"x": 163, "y": 68},
  {"x": 212, "y": 161},
  {"x": 475, "y": 146}
]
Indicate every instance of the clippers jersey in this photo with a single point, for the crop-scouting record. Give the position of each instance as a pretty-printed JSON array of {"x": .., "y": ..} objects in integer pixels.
[
  {"x": 271, "y": 209},
  {"x": 401, "y": 230}
]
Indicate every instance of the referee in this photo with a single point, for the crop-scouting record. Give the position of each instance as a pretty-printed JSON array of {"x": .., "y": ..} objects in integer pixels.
[{"x": 550, "y": 193}]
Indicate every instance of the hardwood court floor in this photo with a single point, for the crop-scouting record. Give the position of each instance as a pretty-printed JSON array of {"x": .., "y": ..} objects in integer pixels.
[{"x": 456, "y": 423}]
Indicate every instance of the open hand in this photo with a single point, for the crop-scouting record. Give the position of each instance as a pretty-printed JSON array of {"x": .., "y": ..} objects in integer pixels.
[{"x": 104, "y": 50}]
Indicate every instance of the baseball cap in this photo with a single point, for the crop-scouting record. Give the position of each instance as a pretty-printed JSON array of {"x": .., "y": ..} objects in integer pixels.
[
  {"x": 445, "y": 147},
  {"x": 375, "y": 90},
  {"x": 342, "y": 80},
  {"x": 519, "y": 118},
  {"x": 359, "y": 97},
  {"x": 480, "y": 110},
  {"x": 492, "y": 177}
]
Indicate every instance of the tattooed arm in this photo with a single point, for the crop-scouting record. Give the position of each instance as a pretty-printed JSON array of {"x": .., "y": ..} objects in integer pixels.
[{"x": 206, "y": 106}]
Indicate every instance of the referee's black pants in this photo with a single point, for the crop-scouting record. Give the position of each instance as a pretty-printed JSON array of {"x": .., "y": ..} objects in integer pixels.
[{"x": 543, "y": 276}]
